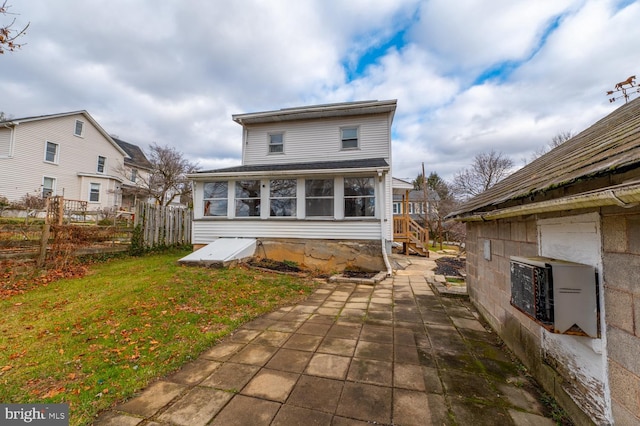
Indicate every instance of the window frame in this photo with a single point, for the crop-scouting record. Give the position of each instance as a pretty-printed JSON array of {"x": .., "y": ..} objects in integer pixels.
[
  {"x": 208, "y": 202},
  {"x": 92, "y": 186},
  {"x": 239, "y": 201},
  {"x": 344, "y": 139},
  {"x": 271, "y": 145},
  {"x": 286, "y": 197},
  {"x": 330, "y": 198},
  {"x": 134, "y": 175},
  {"x": 56, "y": 155},
  {"x": 53, "y": 186},
  {"x": 104, "y": 164},
  {"x": 369, "y": 199},
  {"x": 75, "y": 128}
]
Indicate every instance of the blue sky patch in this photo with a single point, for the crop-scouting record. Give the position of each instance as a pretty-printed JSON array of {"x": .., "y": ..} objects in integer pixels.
[{"x": 373, "y": 55}]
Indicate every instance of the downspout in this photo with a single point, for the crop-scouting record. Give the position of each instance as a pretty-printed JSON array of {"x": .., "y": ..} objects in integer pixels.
[{"x": 383, "y": 241}]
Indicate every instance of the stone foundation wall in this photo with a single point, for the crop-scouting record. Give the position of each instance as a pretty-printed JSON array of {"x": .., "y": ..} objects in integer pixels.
[{"x": 323, "y": 255}]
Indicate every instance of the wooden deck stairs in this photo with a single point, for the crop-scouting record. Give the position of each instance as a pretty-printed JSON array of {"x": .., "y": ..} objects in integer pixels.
[{"x": 414, "y": 237}]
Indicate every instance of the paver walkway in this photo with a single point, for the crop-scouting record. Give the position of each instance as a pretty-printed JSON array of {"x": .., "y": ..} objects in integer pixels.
[{"x": 351, "y": 354}]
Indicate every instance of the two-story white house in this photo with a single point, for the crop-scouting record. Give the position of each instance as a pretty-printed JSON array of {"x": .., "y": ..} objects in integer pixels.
[
  {"x": 66, "y": 154},
  {"x": 314, "y": 186}
]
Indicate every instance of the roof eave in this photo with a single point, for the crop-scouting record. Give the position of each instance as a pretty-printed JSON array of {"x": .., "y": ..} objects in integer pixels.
[
  {"x": 295, "y": 172},
  {"x": 625, "y": 195}
]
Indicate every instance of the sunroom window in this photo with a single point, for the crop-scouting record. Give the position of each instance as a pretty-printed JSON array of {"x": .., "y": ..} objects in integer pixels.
[
  {"x": 359, "y": 197},
  {"x": 319, "y": 197},
  {"x": 215, "y": 198},
  {"x": 282, "y": 194},
  {"x": 247, "y": 198}
]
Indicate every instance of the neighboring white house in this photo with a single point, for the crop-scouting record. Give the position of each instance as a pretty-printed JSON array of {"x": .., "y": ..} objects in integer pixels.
[
  {"x": 135, "y": 175},
  {"x": 314, "y": 186},
  {"x": 66, "y": 154}
]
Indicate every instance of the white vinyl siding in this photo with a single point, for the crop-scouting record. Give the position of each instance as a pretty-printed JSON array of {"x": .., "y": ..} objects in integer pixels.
[
  {"x": 205, "y": 231},
  {"x": 321, "y": 138},
  {"x": 77, "y": 159}
]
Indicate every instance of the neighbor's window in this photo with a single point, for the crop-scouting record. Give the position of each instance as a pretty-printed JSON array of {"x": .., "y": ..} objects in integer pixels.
[
  {"x": 319, "y": 197},
  {"x": 247, "y": 198},
  {"x": 48, "y": 186},
  {"x": 396, "y": 208},
  {"x": 349, "y": 137},
  {"x": 276, "y": 143},
  {"x": 215, "y": 198},
  {"x": 359, "y": 197},
  {"x": 79, "y": 128},
  {"x": 101, "y": 162},
  {"x": 134, "y": 175},
  {"x": 282, "y": 194},
  {"x": 51, "y": 153},
  {"x": 94, "y": 192}
]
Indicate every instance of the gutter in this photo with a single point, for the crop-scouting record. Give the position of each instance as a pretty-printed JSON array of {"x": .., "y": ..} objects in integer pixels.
[
  {"x": 296, "y": 172},
  {"x": 626, "y": 195}
]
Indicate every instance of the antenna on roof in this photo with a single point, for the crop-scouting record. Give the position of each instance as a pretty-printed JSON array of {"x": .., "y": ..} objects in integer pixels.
[{"x": 620, "y": 88}]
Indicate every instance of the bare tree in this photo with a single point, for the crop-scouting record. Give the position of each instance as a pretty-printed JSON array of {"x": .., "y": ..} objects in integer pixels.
[
  {"x": 556, "y": 141},
  {"x": 167, "y": 180},
  {"x": 486, "y": 170},
  {"x": 8, "y": 35}
]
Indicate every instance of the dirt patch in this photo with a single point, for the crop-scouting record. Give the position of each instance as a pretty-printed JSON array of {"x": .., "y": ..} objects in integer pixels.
[
  {"x": 450, "y": 266},
  {"x": 275, "y": 265},
  {"x": 358, "y": 274}
]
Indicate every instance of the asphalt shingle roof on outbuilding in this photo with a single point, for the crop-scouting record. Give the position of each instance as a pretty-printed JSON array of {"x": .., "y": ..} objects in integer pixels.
[{"x": 609, "y": 148}]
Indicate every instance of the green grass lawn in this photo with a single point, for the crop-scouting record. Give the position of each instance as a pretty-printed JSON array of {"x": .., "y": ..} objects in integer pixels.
[{"x": 93, "y": 341}]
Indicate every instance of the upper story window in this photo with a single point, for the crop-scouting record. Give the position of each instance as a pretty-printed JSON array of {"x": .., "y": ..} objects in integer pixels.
[
  {"x": 215, "y": 198},
  {"x": 359, "y": 197},
  {"x": 48, "y": 186},
  {"x": 282, "y": 194},
  {"x": 101, "y": 163},
  {"x": 51, "y": 152},
  {"x": 79, "y": 128},
  {"x": 134, "y": 175},
  {"x": 94, "y": 192},
  {"x": 276, "y": 143},
  {"x": 319, "y": 197},
  {"x": 349, "y": 137},
  {"x": 247, "y": 198}
]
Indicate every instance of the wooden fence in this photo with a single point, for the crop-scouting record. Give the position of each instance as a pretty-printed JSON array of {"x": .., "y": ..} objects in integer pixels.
[{"x": 163, "y": 225}]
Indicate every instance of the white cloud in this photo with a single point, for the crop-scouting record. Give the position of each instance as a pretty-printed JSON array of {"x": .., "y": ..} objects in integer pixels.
[{"x": 174, "y": 72}]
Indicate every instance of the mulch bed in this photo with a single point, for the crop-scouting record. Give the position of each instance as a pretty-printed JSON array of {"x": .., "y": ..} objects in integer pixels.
[
  {"x": 450, "y": 266},
  {"x": 358, "y": 274},
  {"x": 274, "y": 265}
]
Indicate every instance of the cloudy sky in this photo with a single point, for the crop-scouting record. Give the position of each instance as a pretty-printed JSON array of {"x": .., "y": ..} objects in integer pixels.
[{"x": 469, "y": 75}]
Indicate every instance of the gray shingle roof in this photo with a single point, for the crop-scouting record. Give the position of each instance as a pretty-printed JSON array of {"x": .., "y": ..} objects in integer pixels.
[
  {"x": 610, "y": 146},
  {"x": 136, "y": 155},
  {"x": 318, "y": 165}
]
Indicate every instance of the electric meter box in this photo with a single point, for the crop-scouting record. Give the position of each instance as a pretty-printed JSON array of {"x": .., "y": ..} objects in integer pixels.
[{"x": 558, "y": 294}]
